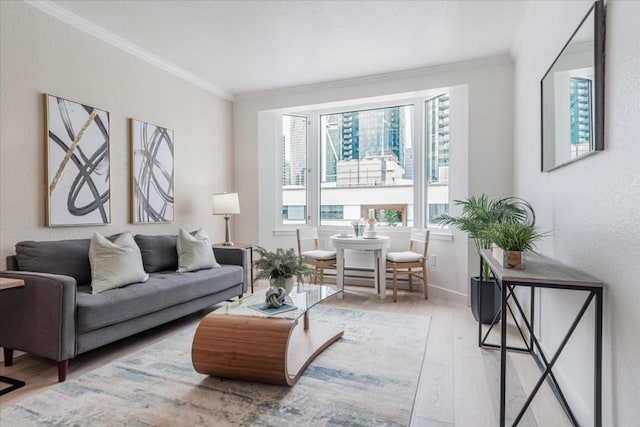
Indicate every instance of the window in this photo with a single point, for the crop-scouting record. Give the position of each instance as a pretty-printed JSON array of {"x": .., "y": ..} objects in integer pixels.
[
  {"x": 580, "y": 116},
  {"x": 387, "y": 215},
  {"x": 294, "y": 169},
  {"x": 294, "y": 214},
  {"x": 437, "y": 152},
  {"x": 331, "y": 212},
  {"x": 365, "y": 158},
  {"x": 337, "y": 164},
  {"x": 437, "y": 209}
]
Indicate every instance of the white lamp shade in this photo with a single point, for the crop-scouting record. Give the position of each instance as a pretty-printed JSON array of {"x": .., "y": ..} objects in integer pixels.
[{"x": 225, "y": 204}]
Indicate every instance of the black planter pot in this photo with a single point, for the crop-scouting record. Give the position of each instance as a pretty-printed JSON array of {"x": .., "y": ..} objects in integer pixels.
[{"x": 490, "y": 300}]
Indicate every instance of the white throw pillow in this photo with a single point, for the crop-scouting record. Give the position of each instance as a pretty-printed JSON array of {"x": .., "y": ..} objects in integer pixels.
[
  {"x": 115, "y": 264},
  {"x": 195, "y": 252}
]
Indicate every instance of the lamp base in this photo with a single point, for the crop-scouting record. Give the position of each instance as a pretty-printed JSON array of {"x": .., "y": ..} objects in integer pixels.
[{"x": 227, "y": 244}]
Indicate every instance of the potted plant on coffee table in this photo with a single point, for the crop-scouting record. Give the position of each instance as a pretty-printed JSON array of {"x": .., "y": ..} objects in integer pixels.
[
  {"x": 510, "y": 241},
  {"x": 478, "y": 214},
  {"x": 281, "y": 267}
]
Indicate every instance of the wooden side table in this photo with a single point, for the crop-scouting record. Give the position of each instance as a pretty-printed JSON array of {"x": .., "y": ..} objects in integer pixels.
[
  {"x": 6, "y": 284},
  {"x": 247, "y": 247}
]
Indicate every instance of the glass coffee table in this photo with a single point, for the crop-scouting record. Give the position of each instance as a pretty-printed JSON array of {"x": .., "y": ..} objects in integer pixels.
[{"x": 237, "y": 341}]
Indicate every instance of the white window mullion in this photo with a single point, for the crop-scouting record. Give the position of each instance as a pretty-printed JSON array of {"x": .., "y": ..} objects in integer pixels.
[
  {"x": 313, "y": 161},
  {"x": 419, "y": 158}
]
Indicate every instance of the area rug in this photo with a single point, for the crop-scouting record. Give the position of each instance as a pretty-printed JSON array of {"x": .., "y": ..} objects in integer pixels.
[{"x": 367, "y": 378}]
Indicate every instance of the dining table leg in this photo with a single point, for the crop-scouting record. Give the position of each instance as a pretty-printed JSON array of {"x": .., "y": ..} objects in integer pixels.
[
  {"x": 340, "y": 271},
  {"x": 381, "y": 275}
]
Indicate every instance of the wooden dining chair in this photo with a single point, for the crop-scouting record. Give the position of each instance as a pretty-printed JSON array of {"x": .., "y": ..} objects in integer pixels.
[
  {"x": 410, "y": 262},
  {"x": 316, "y": 257}
]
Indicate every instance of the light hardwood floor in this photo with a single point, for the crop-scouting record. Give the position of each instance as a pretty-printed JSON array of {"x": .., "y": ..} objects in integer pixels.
[{"x": 459, "y": 383}]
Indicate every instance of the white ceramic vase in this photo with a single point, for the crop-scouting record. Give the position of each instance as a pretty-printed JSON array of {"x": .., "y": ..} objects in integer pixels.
[{"x": 289, "y": 284}]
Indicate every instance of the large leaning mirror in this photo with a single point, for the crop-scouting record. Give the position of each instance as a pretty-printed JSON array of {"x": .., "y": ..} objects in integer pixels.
[{"x": 572, "y": 93}]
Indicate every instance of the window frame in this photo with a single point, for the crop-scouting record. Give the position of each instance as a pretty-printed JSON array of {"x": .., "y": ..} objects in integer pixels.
[{"x": 313, "y": 116}]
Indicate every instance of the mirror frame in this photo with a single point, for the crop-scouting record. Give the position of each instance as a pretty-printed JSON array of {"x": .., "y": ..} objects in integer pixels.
[{"x": 598, "y": 94}]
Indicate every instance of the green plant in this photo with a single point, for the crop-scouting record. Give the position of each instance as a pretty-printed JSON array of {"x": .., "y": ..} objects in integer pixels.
[
  {"x": 513, "y": 236},
  {"x": 279, "y": 265},
  {"x": 392, "y": 217},
  {"x": 480, "y": 213}
]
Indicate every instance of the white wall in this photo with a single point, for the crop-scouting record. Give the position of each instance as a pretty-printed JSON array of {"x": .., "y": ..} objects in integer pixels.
[
  {"x": 592, "y": 207},
  {"x": 41, "y": 54},
  {"x": 486, "y": 161}
]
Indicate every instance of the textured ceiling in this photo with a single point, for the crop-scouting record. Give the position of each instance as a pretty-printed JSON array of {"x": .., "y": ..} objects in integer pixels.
[{"x": 247, "y": 46}]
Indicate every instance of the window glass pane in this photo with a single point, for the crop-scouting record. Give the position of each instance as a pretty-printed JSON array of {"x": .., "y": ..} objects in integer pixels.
[
  {"x": 294, "y": 213},
  {"x": 367, "y": 163},
  {"x": 437, "y": 152},
  {"x": 580, "y": 116},
  {"x": 331, "y": 212},
  {"x": 294, "y": 169}
]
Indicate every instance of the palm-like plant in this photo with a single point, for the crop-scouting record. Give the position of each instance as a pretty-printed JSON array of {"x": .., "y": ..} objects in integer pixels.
[
  {"x": 513, "y": 236},
  {"x": 279, "y": 265},
  {"x": 480, "y": 213}
]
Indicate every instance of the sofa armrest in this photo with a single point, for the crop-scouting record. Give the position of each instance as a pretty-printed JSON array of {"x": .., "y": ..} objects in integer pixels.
[
  {"x": 234, "y": 256},
  {"x": 39, "y": 318}
]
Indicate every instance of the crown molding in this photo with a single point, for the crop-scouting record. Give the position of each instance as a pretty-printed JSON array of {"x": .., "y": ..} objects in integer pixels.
[
  {"x": 90, "y": 28},
  {"x": 489, "y": 61}
]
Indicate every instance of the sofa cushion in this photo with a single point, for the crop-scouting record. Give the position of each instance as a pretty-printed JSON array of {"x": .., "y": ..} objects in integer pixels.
[
  {"x": 195, "y": 251},
  {"x": 159, "y": 253},
  {"x": 66, "y": 257},
  {"x": 115, "y": 264},
  {"x": 160, "y": 291}
]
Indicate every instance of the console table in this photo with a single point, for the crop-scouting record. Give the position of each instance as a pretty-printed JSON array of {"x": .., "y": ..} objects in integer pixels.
[
  {"x": 5, "y": 285},
  {"x": 543, "y": 272}
]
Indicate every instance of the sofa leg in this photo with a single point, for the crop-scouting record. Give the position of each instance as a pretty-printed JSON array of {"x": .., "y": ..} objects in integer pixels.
[
  {"x": 63, "y": 367},
  {"x": 8, "y": 356}
]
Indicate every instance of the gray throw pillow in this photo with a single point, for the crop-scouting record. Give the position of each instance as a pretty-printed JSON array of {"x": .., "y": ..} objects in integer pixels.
[
  {"x": 195, "y": 251},
  {"x": 65, "y": 257},
  {"x": 159, "y": 253},
  {"x": 115, "y": 264}
]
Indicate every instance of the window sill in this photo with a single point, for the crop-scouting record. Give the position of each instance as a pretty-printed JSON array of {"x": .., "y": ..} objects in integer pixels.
[{"x": 436, "y": 234}]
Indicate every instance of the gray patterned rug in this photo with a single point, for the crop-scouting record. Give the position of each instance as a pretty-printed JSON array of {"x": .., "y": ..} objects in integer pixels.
[{"x": 367, "y": 378}]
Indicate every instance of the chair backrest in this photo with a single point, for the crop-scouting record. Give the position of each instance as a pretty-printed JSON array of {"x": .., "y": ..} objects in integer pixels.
[
  {"x": 303, "y": 234},
  {"x": 420, "y": 236}
]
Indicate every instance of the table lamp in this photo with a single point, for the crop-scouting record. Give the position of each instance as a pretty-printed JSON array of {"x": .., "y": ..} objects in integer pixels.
[{"x": 226, "y": 204}]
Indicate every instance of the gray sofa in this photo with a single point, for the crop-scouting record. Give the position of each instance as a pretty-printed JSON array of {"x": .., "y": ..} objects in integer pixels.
[{"x": 56, "y": 316}]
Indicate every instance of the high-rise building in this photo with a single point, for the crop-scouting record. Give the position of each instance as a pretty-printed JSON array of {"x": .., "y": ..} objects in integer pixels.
[
  {"x": 331, "y": 146},
  {"x": 437, "y": 141},
  {"x": 358, "y": 134},
  {"x": 379, "y": 133},
  {"x": 286, "y": 167},
  {"x": 294, "y": 150},
  {"x": 580, "y": 115},
  {"x": 350, "y": 135}
]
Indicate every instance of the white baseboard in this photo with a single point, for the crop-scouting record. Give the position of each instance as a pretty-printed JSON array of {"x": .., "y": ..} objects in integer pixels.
[
  {"x": 448, "y": 294},
  {"x": 361, "y": 278}
]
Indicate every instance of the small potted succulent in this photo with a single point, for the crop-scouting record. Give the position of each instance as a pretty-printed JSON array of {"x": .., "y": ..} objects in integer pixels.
[
  {"x": 510, "y": 241},
  {"x": 281, "y": 267}
]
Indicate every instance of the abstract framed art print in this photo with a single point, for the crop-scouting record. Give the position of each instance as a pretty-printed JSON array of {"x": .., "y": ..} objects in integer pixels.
[
  {"x": 77, "y": 163},
  {"x": 151, "y": 173}
]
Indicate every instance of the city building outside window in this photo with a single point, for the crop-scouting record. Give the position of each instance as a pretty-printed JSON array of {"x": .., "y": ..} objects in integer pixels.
[
  {"x": 366, "y": 158},
  {"x": 332, "y": 212},
  {"x": 366, "y": 161},
  {"x": 437, "y": 152},
  {"x": 294, "y": 169},
  {"x": 580, "y": 116}
]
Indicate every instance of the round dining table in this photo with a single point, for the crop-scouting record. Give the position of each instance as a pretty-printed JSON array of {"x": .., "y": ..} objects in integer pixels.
[{"x": 377, "y": 245}]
